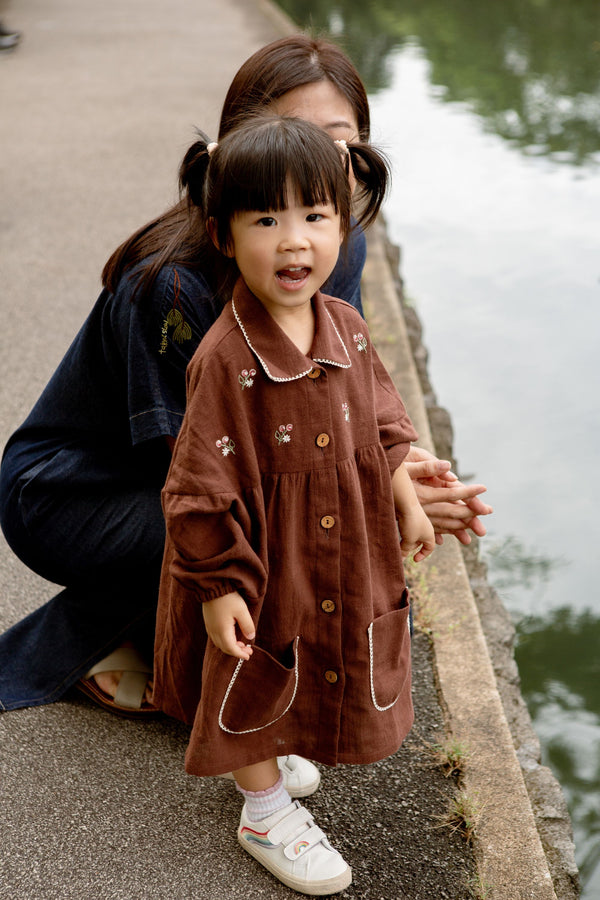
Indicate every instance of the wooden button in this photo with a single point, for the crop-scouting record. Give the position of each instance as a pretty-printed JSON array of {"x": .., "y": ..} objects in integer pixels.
[
  {"x": 328, "y": 606},
  {"x": 322, "y": 439},
  {"x": 314, "y": 373},
  {"x": 327, "y": 521},
  {"x": 331, "y": 676}
]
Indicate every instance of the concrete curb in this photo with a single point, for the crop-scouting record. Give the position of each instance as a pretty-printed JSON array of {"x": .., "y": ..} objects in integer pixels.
[{"x": 509, "y": 852}]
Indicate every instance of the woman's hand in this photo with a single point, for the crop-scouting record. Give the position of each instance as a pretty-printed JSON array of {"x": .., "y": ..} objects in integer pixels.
[
  {"x": 221, "y": 617},
  {"x": 452, "y": 507}
]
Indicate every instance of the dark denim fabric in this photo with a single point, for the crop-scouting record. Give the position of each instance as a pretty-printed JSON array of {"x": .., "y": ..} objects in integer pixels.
[
  {"x": 106, "y": 545},
  {"x": 344, "y": 281},
  {"x": 80, "y": 480}
]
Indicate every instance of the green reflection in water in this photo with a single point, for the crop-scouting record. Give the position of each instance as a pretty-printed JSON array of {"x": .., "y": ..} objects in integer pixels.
[
  {"x": 529, "y": 68},
  {"x": 558, "y": 655},
  {"x": 511, "y": 565},
  {"x": 559, "y": 662}
]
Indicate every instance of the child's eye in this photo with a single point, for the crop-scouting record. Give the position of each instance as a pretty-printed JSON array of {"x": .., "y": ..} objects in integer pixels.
[
  {"x": 267, "y": 221},
  {"x": 314, "y": 217}
]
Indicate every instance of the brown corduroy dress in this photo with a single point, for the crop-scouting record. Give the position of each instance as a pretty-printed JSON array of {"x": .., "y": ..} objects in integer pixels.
[{"x": 280, "y": 488}]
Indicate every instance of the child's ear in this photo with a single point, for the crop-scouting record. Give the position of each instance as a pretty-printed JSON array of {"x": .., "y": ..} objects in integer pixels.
[{"x": 211, "y": 227}]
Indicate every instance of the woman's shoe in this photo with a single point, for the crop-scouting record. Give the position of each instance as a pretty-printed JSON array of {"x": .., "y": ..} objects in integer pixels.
[
  {"x": 296, "y": 851},
  {"x": 129, "y": 698}
]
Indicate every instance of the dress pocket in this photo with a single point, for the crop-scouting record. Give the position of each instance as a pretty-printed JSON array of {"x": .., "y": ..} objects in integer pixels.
[
  {"x": 261, "y": 691},
  {"x": 389, "y": 656}
]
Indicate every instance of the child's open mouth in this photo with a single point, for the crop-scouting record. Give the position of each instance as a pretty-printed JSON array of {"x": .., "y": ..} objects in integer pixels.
[{"x": 293, "y": 275}]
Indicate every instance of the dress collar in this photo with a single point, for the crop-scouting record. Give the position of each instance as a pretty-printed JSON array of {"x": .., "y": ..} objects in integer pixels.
[{"x": 277, "y": 354}]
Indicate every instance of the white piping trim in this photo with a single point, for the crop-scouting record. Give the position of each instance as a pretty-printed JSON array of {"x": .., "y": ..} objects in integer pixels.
[
  {"x": 229, "y": 689},
  {"x": 373, "y": 698},
  {"x": 301, "y": 374},
  {"x": 331, "y": 361}
]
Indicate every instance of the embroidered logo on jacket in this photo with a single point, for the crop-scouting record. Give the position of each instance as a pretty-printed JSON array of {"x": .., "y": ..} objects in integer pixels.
[{"x": 174, "y": 319}]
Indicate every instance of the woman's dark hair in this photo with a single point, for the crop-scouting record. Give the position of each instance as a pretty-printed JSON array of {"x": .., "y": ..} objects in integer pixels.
[
  {"x": 178, "y": 236},
  {"x": 287, "y": 64}
]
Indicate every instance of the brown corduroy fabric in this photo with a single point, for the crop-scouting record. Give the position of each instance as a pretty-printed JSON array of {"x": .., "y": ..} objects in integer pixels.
[{"x": 280, "y": 488}]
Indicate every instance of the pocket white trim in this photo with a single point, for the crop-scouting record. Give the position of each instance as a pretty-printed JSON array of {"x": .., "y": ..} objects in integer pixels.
[
  {"x": 230, "y": 687},
  {"x": 373, "y": 698}
]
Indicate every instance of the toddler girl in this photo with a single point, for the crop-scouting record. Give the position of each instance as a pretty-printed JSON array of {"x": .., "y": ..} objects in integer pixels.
[{"x": 282, "y": 500}]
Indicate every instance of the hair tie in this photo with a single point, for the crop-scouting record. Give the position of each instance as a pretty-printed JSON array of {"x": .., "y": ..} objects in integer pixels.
[
  {"x": 342, "y": 145},
  {"x": 210, "y": 148}
]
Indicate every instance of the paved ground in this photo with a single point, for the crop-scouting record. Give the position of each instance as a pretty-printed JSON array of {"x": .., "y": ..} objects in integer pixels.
[{"x": 99, "y": 103}]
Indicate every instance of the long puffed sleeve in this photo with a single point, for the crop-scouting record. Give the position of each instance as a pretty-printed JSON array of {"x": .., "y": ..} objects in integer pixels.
[
  {"x": 212, "y": 499},
  {"x": 213, "y": 539}
]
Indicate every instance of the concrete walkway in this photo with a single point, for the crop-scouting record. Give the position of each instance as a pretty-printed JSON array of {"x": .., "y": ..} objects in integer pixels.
[{"x": 99, "y": 102}]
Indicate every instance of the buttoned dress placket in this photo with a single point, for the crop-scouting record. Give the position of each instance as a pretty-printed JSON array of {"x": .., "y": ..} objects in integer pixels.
[
  {"x": 327, "y": 651},
  {"x": 324, "y": 656}
]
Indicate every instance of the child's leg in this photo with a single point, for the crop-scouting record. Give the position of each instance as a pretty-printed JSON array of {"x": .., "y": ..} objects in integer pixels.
[
  {"x": 259, "y": 777},
  {"x": 263, "y": 789},
  {"x": 300, "y": 777}
]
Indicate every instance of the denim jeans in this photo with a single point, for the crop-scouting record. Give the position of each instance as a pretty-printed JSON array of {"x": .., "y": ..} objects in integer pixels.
[{"x": 104, "y": 542}]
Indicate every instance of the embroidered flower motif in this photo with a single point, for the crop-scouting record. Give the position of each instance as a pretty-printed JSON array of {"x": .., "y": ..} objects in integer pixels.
[
  {"x": 346, "y": 411},
  {"x": 283, "y": 434},
  {"x": 226, "y": 445},
  {"x": 246, "y": 377},
  {"x": 360, "y": 341}
]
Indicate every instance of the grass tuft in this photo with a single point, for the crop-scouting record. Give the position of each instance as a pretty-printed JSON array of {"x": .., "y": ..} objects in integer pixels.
[
  {"x": 463, "y": 815},
  {"x": 452, "y": 756},
  {"x": 478, "y": 889}
]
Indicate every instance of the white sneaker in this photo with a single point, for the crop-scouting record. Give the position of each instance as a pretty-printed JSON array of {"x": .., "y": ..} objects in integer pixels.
[
  {"x": 296, "y": 851},
  {"x": 300, "y": 777}
]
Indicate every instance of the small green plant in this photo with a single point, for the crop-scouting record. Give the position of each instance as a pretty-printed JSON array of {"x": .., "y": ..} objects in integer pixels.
[
  {"x": 425, "y": 613},
  {"x": 463, "y": 815},
  {"x": 452, "y": 756},
  {"x": 478, "y": 889}
]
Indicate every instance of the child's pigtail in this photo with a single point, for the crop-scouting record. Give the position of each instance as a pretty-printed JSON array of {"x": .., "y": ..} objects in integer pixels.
[
  {"x": 372, "y": 172},
  {"x": 193, "y": 169}
]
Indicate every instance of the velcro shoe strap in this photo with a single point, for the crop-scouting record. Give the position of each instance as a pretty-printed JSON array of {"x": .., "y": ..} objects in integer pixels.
[
  {"x": 284, "y": 830},
  {"x": 304, "y": 842}
]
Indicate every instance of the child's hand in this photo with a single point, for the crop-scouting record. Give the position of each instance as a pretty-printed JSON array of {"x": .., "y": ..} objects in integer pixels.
[
  {"x": 221, "y": 616},
  {"x": 416, "y": 533}
]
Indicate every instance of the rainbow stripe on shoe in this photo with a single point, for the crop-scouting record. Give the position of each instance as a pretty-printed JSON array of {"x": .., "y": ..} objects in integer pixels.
[
  {"x": 256, "y": 837},
  {"x": 260, "y": 838}
]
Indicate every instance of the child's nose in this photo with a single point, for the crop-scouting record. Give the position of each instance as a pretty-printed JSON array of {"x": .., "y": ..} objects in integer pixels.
[{"x": 294, "y": 239}]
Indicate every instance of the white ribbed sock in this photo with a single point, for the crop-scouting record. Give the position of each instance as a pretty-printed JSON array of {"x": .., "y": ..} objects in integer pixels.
[{"x": 260, "y": 804}]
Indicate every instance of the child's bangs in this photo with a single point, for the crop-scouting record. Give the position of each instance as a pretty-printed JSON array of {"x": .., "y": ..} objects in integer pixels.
[
  {"x": 317, "y": 178},
  {"x": 261, "y": 176}
]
